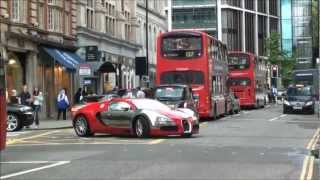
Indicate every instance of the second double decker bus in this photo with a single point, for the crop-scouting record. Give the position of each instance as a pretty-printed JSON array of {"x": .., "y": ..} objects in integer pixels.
[
  {"x": 247, "y": 79},
  {"x": 196, "y": 59}
]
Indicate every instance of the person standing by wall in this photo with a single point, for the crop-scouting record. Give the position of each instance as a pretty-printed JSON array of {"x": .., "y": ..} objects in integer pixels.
[
  {"x": 37, "y": 103},
  {"x": 25, "y": 97},
  {"x": 78, "y": 96},
  {"x": 62, "y": 104}
]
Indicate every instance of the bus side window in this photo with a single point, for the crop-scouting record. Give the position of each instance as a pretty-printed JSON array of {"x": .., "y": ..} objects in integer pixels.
[{"x": 213, "y": 86}]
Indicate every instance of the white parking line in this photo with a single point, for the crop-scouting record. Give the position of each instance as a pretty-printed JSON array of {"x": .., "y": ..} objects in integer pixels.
[
  {"x": 277, "y": 118},
  {"x": 56, "y": 163}
]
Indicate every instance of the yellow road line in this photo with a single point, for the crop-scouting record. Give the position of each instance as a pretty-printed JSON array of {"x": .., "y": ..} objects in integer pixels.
[
  {"x": 15, "y": 141},
  {"x": 204, "y": 124},
  {"x": 313, "y": 141},
  {"x": 311, "y": 166},
  {"x": 304, "y": 168},
  {"x": 156, "y": 141}
]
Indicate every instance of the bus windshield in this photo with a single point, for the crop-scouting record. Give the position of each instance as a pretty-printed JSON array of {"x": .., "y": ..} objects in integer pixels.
[
  {"x": 238, "y": 62},
  {"x": 182, "y": 77},
  {"x": 239, "y": 82},
  {"x": 181, "y": 47},
  {"x": 299, "y": 91}
]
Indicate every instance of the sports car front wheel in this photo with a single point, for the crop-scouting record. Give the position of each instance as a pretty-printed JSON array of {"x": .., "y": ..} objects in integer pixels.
[
  {"x": 141, "y": 127},
  {"x": 81, "y": 127}
]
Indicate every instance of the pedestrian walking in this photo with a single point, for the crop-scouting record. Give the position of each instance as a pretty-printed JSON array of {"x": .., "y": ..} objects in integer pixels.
[
  {"x": 62, "y": 104},
  {"x": 25, "y": 97},
  {"x": 37, "y": 97},
  {"x": 78, "y": 96}
]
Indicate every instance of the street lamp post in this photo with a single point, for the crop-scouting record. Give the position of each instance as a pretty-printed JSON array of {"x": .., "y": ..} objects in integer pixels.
[{"x": 147, "y": 39}]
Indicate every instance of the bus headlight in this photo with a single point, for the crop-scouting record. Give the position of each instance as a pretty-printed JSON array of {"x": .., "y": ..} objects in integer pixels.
[
  {"x": 286, "y": 102},
  {"x": 309, "y": 103}
]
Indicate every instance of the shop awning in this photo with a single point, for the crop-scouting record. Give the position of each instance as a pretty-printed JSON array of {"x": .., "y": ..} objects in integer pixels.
[
  {"x": 106, "y": 67},
  {"x": 67, "y": 59}
]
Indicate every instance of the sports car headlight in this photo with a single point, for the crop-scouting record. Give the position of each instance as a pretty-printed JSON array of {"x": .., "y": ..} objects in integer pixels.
[
  {"x": 286, "y": 102},
  {"x": 309, "y": 103},
  {"x": 25, "y": 108},
  {"x": 164, "y": 121}
]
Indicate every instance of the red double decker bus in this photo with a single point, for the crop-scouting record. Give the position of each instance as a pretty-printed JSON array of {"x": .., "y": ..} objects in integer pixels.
[
  {"x": 196, "y": 59},
  {"x": 247, "y": 79}
]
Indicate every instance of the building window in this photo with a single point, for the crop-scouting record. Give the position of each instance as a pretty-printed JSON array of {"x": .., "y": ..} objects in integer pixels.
[
  {"x": 41, "y": 17},
  {"x": 109, "y": 19},
  {"x": 67, "y": 19},
  {"x": 127, "y": 26},
  {"x": 90, "y": 14},
  {"x": 18, "y": 10},
  {"x": 55, "y": 15}
]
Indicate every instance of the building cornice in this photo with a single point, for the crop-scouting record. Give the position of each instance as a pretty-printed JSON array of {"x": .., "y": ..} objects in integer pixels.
[
  {"x": 68, "y": 45},
  {"x": 105, "y": 37}
]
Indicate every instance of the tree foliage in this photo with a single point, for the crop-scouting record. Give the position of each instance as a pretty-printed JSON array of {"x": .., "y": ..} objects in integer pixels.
[{"x": 284, "y": 60}]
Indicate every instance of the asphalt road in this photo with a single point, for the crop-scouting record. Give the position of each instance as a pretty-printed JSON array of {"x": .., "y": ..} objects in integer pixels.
[{"x": 256, "y": 144}]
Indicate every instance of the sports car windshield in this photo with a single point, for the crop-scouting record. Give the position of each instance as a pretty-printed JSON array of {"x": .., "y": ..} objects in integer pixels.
[{"x": 149, "y": 104}]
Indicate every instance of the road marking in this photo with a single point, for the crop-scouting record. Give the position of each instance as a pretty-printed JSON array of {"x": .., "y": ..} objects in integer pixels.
[
  {"x": 307, "y": 168},
  {"x": 59, "y": 163},
  {"x": 204, "y": 124},
  {"x": 14, "y": 141},
  {"x": 311, "y": 166},
  {"x": 304, "y": 168},
  {"x": 13, "y": 134},
  {"x": 156, "y": 141},
  {"x": 312, "y": 143},
  {"x": 278, "y": 117}
]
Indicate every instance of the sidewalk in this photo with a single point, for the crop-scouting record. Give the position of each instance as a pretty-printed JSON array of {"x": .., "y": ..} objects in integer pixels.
[{"x": 53, "y": 124}]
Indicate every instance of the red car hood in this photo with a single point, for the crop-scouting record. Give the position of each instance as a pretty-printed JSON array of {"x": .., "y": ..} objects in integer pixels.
[{"x": 174, "y": 114}]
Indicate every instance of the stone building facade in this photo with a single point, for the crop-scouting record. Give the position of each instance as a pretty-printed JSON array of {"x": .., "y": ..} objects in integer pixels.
[
  {"x": 157, "y": 23},
  {"x": 38, "y": 41},
  {"x": 110, "y": 27}
]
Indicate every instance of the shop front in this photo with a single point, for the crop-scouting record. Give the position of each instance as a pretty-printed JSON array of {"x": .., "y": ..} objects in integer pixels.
[{"x": 58, "y": 69}]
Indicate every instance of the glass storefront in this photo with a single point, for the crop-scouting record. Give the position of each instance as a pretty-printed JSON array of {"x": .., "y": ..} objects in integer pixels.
[{"x": 14, "y": 72}]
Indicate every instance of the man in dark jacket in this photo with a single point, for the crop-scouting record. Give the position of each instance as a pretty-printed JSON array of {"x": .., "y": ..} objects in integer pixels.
[{"x": 25, "y": 97}]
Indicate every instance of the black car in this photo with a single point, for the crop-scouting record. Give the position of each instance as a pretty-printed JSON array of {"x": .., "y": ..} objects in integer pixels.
[
  {"x": 18, "y": 116},
  {"x": 299, "y": 98},
  {"x": 176, "y": 96}
]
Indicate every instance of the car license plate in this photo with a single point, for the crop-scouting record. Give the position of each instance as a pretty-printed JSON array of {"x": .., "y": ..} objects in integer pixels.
[{"x": 297, "y": 107}]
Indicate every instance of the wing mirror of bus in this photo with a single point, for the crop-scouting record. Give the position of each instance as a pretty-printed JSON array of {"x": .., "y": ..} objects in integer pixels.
[{"x": 195, "y": 97}]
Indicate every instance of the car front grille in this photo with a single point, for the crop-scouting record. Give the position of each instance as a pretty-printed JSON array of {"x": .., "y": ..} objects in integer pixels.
[
  {"x": 185, "y": 125},
  {"x": 169, "y": 128}
]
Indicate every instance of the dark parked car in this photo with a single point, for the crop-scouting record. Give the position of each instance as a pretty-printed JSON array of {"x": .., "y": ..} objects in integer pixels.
[
  {"x": 18, "y": 116},
  {"x": 176, "y": 96},
  {"x": 299, "y": 98}
]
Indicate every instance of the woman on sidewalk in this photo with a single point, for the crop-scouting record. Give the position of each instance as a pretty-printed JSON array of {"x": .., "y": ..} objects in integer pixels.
[
  {"x": 37, "y": 103},
  {"x": 62, "y": 104}
]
